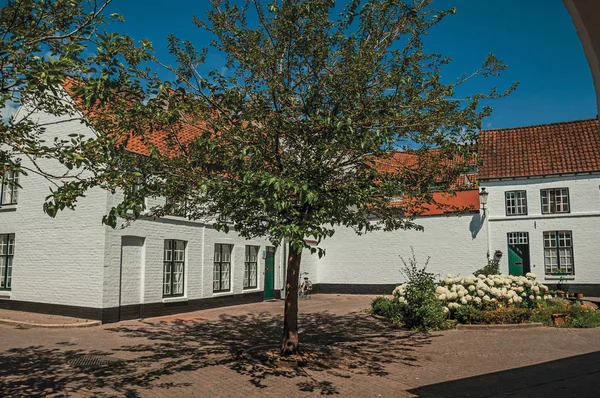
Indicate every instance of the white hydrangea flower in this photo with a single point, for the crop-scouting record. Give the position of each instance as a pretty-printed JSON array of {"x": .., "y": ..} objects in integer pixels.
[
  {"x": 480, "y": 293},
  {"x": 472, "y": 288},
  {"x": 463, "y": 300}
]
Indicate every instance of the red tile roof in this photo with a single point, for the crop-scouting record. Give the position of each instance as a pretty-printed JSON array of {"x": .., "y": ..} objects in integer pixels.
[
  {"x": 163, "y": 140},
  {"x": 555, "y": 148},
  {"x": 465, "y": 199},
  {"x": 447, "y": 203}
]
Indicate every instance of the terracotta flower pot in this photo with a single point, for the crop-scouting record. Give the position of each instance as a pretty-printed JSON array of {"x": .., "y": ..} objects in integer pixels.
[
  {"x": 579, "y": 295},
  {"x": 560, "y": 319},
  {"x": 560, "y": 294}
]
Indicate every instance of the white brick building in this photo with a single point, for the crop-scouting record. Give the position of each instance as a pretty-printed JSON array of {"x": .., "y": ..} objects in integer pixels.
[{"x": 74, "y": 265}]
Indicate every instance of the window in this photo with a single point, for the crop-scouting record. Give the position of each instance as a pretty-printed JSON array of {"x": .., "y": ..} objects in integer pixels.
[
  {"x": 558, "y": 253},
  {"x": 176, "y": 207},
  {"x": 222, "y": 268},
  {"x": 516, "y": 203},
  {"x": 9, "y": 189},
  {"x": 251, "y": 267},
  {"x": 137, "y": 186},
  {"x": 555, "y": 200},
  {"x": 518, "y": 238},
  {"x": 7, "y": 250},
  {"x": 174, "y": 266}
]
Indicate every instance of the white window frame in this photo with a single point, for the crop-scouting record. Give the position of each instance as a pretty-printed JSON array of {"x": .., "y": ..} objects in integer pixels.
[
  {"x": 174, "y": 268},
  {"x": 555, "y": 201},
  {"x": 515, "y": 203},
  {"x": 558, "y": 253},
  {"x": 7, "y": 253},
  {"x": 9, "y": 188},
  {"x": 251, "y": 267},
  {"x": 222, "y": 268}
]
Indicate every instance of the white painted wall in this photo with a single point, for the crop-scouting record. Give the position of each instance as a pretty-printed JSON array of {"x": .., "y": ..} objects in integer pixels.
[
  {"x": 456, "y": 245},
  {"x": 583, "y": 221},
  {"x": 56, "y": 260},
  {"x": 201, "y": 239}
]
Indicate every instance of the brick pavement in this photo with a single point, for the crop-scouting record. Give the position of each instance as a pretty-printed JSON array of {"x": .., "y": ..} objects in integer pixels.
[
  {"x": 221, "y": 353},
  {"x": 43, "y": 319}
]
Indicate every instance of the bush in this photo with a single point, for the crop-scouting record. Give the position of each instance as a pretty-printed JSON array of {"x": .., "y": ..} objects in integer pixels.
[
  {"x": 422, "y": 309},
  {"x": 507, "y": 315},
  {"x": 391, "y": 309},
  {"x": 492, "y": 291},
  {"x": 583, "y": 316},
  {"x": 544, "y": 310},
  {"x": 492, "y": 268}
]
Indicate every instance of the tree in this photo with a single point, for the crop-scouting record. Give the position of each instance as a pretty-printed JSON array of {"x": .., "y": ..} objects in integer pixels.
[
  {"x": 43, "y": 43},
  {"x": 300, "y": 134}
]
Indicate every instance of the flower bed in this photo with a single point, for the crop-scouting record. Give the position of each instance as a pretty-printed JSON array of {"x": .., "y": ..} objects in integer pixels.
[
  {"x": 486, "y": 292},
  {"x": 491, "y": 299}
]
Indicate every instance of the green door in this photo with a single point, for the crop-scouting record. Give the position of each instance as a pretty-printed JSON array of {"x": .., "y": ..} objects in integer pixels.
[
  {"x": 518, "y": 253},
  {"x": 270, "y": 273}
]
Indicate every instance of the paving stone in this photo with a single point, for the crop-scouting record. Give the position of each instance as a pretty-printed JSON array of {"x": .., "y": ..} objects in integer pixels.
[{"x": 214, "y": 353}]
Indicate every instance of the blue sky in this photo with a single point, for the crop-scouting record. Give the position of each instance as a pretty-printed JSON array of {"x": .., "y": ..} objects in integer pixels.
[{"x": 536, "y": 38}]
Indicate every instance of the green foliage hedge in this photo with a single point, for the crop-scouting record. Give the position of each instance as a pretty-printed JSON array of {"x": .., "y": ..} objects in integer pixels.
[
  {"x": 508, "y": 315},
  {"x": 390, "y": 309}
]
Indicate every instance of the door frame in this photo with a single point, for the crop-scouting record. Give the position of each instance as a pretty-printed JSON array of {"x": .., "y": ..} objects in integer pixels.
[
  {"x": 519, "y": 241},
  {"x": 269, "y": 273}
]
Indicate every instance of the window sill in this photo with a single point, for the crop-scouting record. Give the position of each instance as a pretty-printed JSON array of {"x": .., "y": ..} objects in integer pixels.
[
  {"x": 559, "y": 277},
  {"x": 8, "y": 207},
  {"x": 219, "y": 294},
  {"x": 251, "y": 290},
  {"x": 174, "y": 299},
  {"x": 4, "y": 294}
]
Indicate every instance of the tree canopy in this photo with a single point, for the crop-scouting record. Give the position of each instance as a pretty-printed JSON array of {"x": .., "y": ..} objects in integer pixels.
[
  {"x": 297, "y": 136},
  {"x": 44, "y": 42}
]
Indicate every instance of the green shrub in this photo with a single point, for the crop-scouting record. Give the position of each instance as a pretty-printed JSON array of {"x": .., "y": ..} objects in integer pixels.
[
  {"x": 507, "y": 315},
  {"x": 387, "y": 308},
  {"x": 583, "y": 316},
  {"x": 544, "y": 310},
  {"x": 492, "y": 268},
  {"x": 423, "y": 311}
]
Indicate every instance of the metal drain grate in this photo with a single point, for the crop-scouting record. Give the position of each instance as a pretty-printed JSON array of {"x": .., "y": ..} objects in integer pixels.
[{"x": 94, "y": 361}]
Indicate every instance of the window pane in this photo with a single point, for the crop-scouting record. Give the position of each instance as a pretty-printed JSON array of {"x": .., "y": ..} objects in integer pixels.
[
  {"x": 11, "y": 245},
  {"x": 178, "y": 279},
  {"x": 217, "y": 277},
  {"x": 549, "y": 239},
  {"x": 2, "y": 272},
  {"x": 253, "y": 268},
  {"x": 246, "y": 275},
  {"x": 9, "y": 272},
  {"x": 225, "y": 277},
  {"x": 3, "y": 244},
  {"x": 226, "y": 253}
]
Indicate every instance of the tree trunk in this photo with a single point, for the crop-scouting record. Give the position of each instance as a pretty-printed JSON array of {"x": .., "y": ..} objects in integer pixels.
[{"x": 290, "y": 314}]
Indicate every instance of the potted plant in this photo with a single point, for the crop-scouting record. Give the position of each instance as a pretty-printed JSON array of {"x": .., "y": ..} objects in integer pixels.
[
  {"x": 560, "y": 293},
  {"x": 560, "y": 319},
  {"x": 579, "y": 295}
]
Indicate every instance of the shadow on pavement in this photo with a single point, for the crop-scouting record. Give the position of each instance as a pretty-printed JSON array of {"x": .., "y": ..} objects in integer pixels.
[
  {"x": 577, "y": 376},
  {"x": 334, "y": 348}
]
